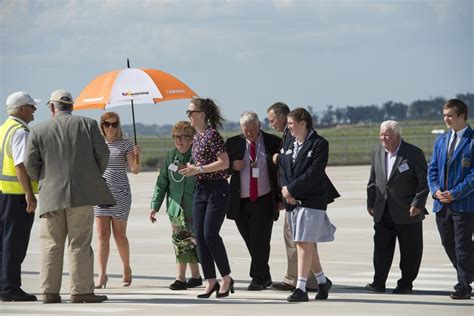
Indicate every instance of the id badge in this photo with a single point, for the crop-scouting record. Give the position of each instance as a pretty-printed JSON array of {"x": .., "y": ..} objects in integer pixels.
[
  {"x": 255, "y": 173},
  {"x": 404, "y": 167},
  {"x": 173, "y": 167}
]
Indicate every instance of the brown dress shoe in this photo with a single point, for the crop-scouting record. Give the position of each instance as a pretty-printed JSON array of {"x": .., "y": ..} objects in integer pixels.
[
  {"x": 88, "y": 298},
  {"x": 50, "y": 298},
  {"x": 282, "y": 286}
]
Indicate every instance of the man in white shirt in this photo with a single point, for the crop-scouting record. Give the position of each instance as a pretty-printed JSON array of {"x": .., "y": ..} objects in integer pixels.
[
  {"x": 396, "y": 198},
  {"x": 17, "y": 199}
]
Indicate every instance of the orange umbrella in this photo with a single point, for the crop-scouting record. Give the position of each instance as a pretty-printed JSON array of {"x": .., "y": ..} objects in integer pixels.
[
  {"x": 143, "y": 85},
  {"x": 129, "y": 86}
]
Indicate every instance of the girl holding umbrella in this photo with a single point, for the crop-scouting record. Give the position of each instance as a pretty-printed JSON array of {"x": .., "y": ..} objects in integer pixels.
[{"x": 114, "y": 218}]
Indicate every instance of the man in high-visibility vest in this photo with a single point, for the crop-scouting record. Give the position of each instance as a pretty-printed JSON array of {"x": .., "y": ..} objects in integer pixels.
[{"x": 17, "y": 196}]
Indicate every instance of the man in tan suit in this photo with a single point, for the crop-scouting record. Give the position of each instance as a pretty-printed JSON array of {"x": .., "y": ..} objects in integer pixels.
[{"x": 68, "y": 155}]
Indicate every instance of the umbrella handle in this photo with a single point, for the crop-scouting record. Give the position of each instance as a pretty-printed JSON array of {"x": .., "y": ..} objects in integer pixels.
[{"x": 136, "y": 159}]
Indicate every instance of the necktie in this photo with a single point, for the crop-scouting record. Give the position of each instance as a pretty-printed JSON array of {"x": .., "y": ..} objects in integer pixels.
[
  {"x": 253, "y": 181},
  {"x": 448, "y": 159}
]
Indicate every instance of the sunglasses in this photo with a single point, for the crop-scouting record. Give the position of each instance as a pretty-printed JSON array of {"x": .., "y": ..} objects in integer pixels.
[
  {"x": 181, "y": 137},
  {"x": 110, "y": 124},
  {"x": 190, "y": 112}
]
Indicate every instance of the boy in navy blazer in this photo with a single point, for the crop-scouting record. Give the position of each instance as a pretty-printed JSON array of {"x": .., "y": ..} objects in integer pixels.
[{"x": 450, "y": 178}]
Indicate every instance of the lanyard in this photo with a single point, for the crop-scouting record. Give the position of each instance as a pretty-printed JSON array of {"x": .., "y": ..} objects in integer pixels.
[
  {"x": 176, "y": 162},
  {"x": 253, "y": 163}
]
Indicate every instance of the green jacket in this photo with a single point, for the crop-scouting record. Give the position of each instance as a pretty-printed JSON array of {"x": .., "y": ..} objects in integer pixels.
[{"x": 178, "y": 193}]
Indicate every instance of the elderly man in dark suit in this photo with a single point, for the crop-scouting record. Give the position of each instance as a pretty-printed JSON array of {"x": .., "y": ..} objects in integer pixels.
[
  {"x": 254, "y": 193},
  {"x": 396, "y": 198},
  {"x": 68, "y": 155}
]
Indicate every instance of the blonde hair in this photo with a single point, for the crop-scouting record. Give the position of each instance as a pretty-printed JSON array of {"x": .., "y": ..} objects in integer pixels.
[
  {"x": 183, "y": 126},
  {"x": 111, "y": 115}
]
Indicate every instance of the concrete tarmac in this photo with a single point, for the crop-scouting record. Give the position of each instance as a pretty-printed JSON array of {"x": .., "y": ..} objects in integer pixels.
[{"x": 347, "y": 261}]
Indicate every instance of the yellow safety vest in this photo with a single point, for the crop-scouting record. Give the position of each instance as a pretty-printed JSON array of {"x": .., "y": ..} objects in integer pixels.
[{"x": 9, "y": 183}]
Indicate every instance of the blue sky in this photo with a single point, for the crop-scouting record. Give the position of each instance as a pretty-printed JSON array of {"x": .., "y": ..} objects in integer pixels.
[{"x": 244, "y": 54}]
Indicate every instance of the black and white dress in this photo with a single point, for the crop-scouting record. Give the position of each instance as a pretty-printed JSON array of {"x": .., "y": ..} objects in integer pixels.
[{"x": 116, "y": 177}]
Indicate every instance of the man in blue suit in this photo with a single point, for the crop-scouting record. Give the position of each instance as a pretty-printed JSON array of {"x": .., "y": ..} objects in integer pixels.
[{"x": 451, "y": 182}]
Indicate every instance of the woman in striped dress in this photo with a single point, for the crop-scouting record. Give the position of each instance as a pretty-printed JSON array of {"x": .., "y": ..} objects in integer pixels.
[{"x": 114, "y": 218}]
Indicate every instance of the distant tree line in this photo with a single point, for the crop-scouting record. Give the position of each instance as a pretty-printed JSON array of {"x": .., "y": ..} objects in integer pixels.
[
  {"x": 431, "y": 109},
  {"x": 362, "y": 114}
]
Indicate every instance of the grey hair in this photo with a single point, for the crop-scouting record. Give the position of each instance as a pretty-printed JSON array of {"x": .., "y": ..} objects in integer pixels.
[
  {"x": 14, "y": 110},
  {"x": 62, "y": 107},
  {"x": 249, "y": 117},
  {"x": 392, "y": 125}
]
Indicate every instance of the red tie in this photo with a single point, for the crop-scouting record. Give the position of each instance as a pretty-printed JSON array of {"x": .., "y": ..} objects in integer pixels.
[{"x": 253, "y": 181}]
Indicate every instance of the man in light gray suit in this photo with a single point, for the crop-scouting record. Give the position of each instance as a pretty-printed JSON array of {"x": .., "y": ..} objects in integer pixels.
[
  {"x": 68, "y": 155},
  {"x": 396, "y": 198}
]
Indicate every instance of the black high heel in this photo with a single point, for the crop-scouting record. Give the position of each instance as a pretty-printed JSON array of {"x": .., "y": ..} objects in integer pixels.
[
  {"x": 215, "y": 288},
  {"x": 226, "y": 293}
]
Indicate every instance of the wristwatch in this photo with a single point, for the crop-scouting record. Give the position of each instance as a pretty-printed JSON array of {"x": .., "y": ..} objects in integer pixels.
[{"x": 201, "y": 169}]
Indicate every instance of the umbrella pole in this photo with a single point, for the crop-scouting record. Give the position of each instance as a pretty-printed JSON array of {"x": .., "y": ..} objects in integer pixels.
[{"x": 137, "y": 159}]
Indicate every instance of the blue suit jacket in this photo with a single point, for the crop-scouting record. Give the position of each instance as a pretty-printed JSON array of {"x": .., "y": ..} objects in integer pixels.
[{"x": 461, "y": 172}]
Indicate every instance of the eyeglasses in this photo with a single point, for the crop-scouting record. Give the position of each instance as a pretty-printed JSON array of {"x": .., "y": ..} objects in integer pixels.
[
  {"x": 190, "y": 112},
  {"x": 110, "y": 124},
  {"x": 181, "y": 137}
]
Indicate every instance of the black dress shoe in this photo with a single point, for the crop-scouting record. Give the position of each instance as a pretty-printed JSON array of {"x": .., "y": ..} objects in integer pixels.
[
  {"x": 461, "y": 294},
  {"x": 256, "y": 286},
  {"x": 194, "y": 282},
  {"x": 402, "y": 290},
  {"x": 298, "y": 296},
  {"x": 17, "y": 295},
  {"x": 178, "y": 285},
  {"x": 216, "y": 287},
  {"x": 323, "y": 291},
  {"x": 282, "y": 286},
  {"x": 374, "y": 288},
  {"x": 226, "y": 293},
  {"x": 268, "y": 283}
]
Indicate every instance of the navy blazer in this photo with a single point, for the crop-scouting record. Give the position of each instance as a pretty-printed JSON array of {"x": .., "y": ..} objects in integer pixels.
[
  {"x": 461, "y": 172},
  {"x": 306, "y": 178},
  {"x": 235, "y": 147}
]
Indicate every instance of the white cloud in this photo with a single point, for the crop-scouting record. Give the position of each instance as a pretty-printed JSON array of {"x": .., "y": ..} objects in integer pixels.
[
  {"x": 214, "y": 43},
  {"x": 283, "y": 5}
]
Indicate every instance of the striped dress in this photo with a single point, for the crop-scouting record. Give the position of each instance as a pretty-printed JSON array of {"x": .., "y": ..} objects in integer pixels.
[{"x": 116, "y": 177}]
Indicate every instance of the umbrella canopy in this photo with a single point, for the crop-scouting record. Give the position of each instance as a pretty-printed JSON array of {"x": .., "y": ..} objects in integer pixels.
[
  {"x": 131, "y": 85},
  {"x": 140, "y": 85}
]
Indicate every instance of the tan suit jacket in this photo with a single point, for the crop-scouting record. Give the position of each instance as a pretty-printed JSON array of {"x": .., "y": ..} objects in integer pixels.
[{"x": 68, "y": 155}]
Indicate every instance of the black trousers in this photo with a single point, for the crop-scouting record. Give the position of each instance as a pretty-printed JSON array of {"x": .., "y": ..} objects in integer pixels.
[
  {"x": 211, "y": 201},
  {"x": 15, "y": 228},
  {"x": 255, "y": 225},
  {"x": 456, "y": 231},
  {"x": 410, "y": 240}
]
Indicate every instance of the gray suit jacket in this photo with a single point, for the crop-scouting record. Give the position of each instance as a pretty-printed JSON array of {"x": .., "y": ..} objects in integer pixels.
[
  {"x": 68, "y": 155},
  {"x": 407, "y": 185}
]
